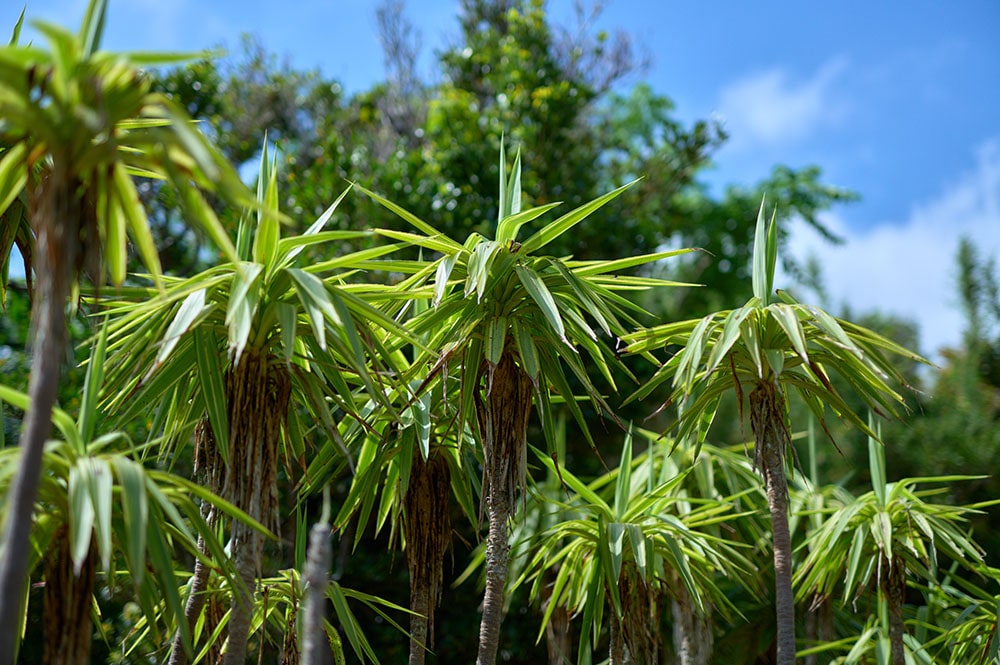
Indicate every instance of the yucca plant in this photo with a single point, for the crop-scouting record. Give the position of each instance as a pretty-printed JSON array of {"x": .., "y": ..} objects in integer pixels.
[
  {"x": 625, "y": 541},
  {"x": 766, "y": 350},
  {"x": 247, "y": 344},
  {"x": 960, "y": 624},
  {"x": 883, "y": 537},
  {"x": 810, "y": 501},
  {"x": 710, "y": 473},
  {"x": 15, "y": 227},
  {"x": 291, "y": 613},
  {"x": 99, "y": 508},
  {"x": 408, "y": 467},
  {"x": 508, "y": 321},
  {"x": 77, "y": 123}
]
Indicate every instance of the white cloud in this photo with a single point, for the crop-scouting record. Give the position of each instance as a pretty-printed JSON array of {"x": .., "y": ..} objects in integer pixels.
[
  {"x": 769, "y": 108},
  {"x": 909, "y": 268}
]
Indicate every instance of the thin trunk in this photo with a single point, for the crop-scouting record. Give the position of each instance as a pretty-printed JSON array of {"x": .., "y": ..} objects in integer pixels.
[
  {"x": 315, "y": 645},
  {"x": 616, "y": 648},
  {"x": 557, "y": 630},
  {"x": 503, "y": 425},
  {"x": 819, "y": 626},
  {"x": 557, "y": 637},
  {"x": 812, "y": 634},
  {"x": 193, "y": 606},
  {"x": 208, "y": 468},
  {"x": 826, "y": 630},
  {"x": 55, "y": 255},
  {"x": 894, "y": 588},
  {"x": 66, "y": 605},
  {"x": 427, "y": 525},
  {"x": 420, "y": 605},
  {"x": 497, "y": 561},
  {"x": 245, "y": 545},
  {"x": 767, "y": 419},
  {"x": 693, "y": 638}
]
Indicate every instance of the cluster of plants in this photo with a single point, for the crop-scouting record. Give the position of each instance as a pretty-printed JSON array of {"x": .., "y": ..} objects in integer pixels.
[{"x": 381, "y": 372}]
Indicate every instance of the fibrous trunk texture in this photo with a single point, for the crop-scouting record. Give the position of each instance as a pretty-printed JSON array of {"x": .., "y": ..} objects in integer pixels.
[
  {"x": 208, "y": 468},
  {"x": 503, "y": 426},
  {"x": 638, "y": 632},
  {"x": 66, "y": 605},
  {"x": 894, "y": 588},
  {"x": 56, "y": 220},
  {"x": 258, "y": 393},
  {"x": 319, "y": 558},
  {"x": 693, "y": 638},
  {"x": 427, "y": 525},
  {"x": 767, "y": 420}
]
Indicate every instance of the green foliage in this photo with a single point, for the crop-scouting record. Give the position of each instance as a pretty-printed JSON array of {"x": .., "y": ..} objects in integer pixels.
[
  {"x": 391, "y": 321},
  {"x": 628, "y": 523}
]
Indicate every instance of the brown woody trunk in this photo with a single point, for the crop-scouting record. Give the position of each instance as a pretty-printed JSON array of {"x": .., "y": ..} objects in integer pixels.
[
  {"x": 503, "y": 425},
  {"x": 58, "y": 214},
  {"x": 258, "y": 393},
  {"x": 767, "y": 420},
  {"x": 427, "y": 524},
  {"x": 66, "y": 605},
  {"x": 894, "y": 588}
]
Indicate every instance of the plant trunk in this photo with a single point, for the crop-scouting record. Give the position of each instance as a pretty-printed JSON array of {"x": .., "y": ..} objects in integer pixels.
[
  {"x": 497, "y": 561},
  {"x": 66, "y": 605},
  {"x": 557, "y": 630},
  {"x": 55, "y": 220},
  {"x": 767, "y": 419},
  {"x": 245, "y": 546},
  {"x": 258, "y": 393},
  {"x": 894, "y": 588},
  {"x": 812, "y": 634},
  {"x": 616, "y": 648},
  {"x": 640, "y": 618},
  {"x": 193, "y": 606},
  {"x": 503, "y": 425},
  {"x": 819, "y": 626},
  {"x": 208, "y": 468},
  {"x": 420, "y": 604},
  {"x": 315, "y": 644},
  {"x": 427, "y": 525},
  {"x": 693, "y": 638}
]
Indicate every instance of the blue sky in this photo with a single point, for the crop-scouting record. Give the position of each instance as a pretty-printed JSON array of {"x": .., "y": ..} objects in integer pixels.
[{"x": 896, "y": 100}]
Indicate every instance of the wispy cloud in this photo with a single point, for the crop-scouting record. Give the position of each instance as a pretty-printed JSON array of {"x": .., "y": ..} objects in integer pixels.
[
  {"x": 771, "y": 108},
  {"x": 908, "y": 268}
]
